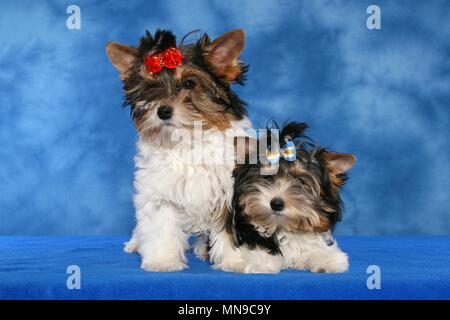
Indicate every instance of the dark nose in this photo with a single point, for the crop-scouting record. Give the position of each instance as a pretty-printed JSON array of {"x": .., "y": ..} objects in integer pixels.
[
  {"x": 164, "y": 112},
  {"x": 277, "y": 204}
]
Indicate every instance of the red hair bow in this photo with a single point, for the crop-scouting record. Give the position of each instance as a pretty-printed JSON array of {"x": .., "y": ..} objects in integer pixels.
[{"x": 169, "y": 58}]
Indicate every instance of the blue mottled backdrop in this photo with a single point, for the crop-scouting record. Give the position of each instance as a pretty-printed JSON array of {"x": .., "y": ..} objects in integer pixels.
[{"x": 66, "y": 145}]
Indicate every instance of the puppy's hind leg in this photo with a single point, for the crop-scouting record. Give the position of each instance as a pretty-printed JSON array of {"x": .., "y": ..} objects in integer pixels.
[
  {"x": 315, "y": 252},
  {"x": 328, "y": 261}
]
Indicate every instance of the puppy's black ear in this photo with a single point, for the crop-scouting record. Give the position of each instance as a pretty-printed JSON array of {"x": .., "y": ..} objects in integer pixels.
[
  {"x": 122, "y": 57},
  {"x": 223, "y": 53},
  {"x": 293, "y": 130}
]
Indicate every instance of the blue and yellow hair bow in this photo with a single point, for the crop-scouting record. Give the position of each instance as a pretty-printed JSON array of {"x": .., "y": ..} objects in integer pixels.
[{"x": 288, "y": 153}]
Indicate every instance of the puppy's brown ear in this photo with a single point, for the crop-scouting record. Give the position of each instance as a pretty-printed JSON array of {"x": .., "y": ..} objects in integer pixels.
[
  {"x": 223, "y": 53},
  {"x": 338, "y": 163},
  {"x": 121, "y": 56}
]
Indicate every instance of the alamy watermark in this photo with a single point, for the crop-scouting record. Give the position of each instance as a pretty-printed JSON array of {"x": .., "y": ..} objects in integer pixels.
[
  {"x": 374, "y": 280},
  {"x": 74, "y": 280},
  {"x": 373, "y": 22},
  {"x": 73, "y": 21},
  {"x": 209, "y": 146}
]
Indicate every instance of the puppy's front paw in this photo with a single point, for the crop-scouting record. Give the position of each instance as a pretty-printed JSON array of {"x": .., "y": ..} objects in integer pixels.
[
  {"x": 261, "y": 269},
  {"x": 163, "y": 266},
  {"x": 332, "y": 263},
  {"x": 244, "y": 267}
]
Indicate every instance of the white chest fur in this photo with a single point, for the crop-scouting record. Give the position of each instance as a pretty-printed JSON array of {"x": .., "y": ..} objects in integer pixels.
[{"x": 195, "y": 177}]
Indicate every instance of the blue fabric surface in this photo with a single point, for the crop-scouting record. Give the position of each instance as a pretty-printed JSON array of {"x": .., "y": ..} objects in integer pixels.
[{"x": 35, "y": 268}]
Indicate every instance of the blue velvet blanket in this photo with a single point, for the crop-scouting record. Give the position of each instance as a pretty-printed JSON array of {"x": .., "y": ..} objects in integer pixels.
[{"x": 35, "y": 268}]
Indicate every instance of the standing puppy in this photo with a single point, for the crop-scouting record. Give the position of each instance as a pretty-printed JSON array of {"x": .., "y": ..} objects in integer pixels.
[
  {"x": 179, "y": 188},
  {"x": 284, "y": 208}
]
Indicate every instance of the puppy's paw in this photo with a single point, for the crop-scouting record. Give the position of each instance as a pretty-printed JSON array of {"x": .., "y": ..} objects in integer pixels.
[
  {"x": 201, "y": 253},
  {"x": 261, "y": 269},
  {"x": 244, "y": 267},
  {"x": 333, "y": 263},
  {"x": 130, "y": 246},
  {"x": 163, "y": 266},
  {"x": 228, "y": 267},
  {"x": 201, "y": 250}
]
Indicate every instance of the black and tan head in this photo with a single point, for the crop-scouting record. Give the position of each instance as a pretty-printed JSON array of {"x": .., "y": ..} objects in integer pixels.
[
  {"x": 301, "y": 196},
  {"x": 197, "y": 90}
]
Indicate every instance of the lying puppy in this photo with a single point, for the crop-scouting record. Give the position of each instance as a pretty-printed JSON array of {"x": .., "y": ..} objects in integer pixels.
[{"x": 285, "y": 206}]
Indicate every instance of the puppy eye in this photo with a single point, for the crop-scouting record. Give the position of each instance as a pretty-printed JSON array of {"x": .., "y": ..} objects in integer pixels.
[{"x": 188, "y": 84}]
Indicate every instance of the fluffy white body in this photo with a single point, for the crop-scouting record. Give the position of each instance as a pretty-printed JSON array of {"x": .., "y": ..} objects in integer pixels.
[
  {"x": 176, "y": 197},
  {"x": 303, "y": 251}
]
